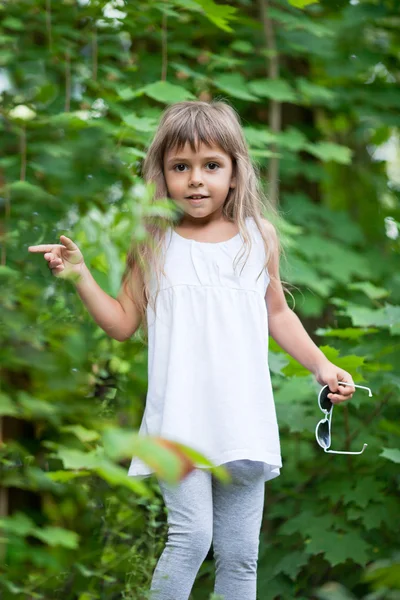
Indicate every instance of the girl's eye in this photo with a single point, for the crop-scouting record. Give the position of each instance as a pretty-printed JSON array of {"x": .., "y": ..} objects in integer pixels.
[{"x": 182, "y": 165}]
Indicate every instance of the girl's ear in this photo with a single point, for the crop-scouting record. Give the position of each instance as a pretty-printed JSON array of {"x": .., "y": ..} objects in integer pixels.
[{"x": 233, "y": 174}]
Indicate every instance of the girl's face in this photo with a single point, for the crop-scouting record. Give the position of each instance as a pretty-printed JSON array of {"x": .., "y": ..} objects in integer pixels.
[{"x": 207, "y": 173}]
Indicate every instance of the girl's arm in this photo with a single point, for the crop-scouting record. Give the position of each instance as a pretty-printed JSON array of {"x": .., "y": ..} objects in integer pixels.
[
  {"x": 287, "y": 330},
  {"x": 119, "y": 318}
]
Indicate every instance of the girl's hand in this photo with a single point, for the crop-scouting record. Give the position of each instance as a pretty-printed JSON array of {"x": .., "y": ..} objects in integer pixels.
[
  {"x": 329, "y": 374},
  {"x": 63, "y": 259}
]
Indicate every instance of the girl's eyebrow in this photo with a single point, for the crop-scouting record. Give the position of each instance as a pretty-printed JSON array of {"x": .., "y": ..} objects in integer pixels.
[{"x": 214, "y": 157}]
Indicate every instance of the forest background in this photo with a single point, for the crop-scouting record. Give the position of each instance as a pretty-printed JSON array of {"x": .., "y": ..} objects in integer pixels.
[{"x": 82, "y": 86}]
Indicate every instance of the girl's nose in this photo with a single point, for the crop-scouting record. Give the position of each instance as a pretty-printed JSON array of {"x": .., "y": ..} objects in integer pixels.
[{"x": 195, "y": 177}]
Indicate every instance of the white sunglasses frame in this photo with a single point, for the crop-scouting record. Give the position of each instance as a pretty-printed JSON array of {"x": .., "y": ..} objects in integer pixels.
[{"x": 328, "y": 418}]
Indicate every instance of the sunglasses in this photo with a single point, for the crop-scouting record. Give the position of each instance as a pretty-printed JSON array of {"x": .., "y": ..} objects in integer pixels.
[{"x": 323, "y": 429}]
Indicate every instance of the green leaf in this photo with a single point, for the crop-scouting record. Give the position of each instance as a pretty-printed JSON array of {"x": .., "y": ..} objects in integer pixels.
[
  {"x": 12, "y": 23},
  {"x": 275, "y": 89},
  {"x": 385, "y": 573},
  {"x": 46, "y": 94},
  {"x": 119, "y": 443},
  {"x": 331, "y": 257},
  {"x": 33, "y": 408},
  {"x": 361, "y": 493},
  {"x": 373, "y": 515},
  {"x": 85, "y": 435},
  {"x": 199, "y": 458},
  {"x": 350, "y": 333},
  {"x": 140, "y": 123},
  {"x": 294, "y": 369},
  {"x": 7, "y": 406},
  {"x": 293, "y": 139},
  {"x": 259, "y": 137},
  {"x": 57, "y": 536},
  {"x": 116, "y": 475},
  {"x": 297, "y": 419},
  {"x": 297, "y": 416},
  {"x": 235, "y": 85},
  {"x": 96, "y": 461},
  {"x": 392, "y": 454},
  {"x": 334, "y": 591},
  {"x": 242, "y": 46},
  {"x": 65, "y": 476},
  {"x": 314, "y": 93},
  {"x": 219, "y": 14},
  {"x": 8, "y": 273},
  {"x": 372, "y": 291},
  {"x": 301, "y": 272},
  {"x": 72, "y": 121},
  {"x": 301, "y": 22},
  {"x": 349, "y": 362},
  {"x": 307, "y": 523},
  {"x": 264, "y": 154},
  {"x": 14, "y": 589},
  {"x": 277, "y": 361},
  {"x": 18, "y": 523},
  {"x": 327, "y": 151},
  {"x": 128, "y": 93},
  {"x": 197, "y": 76},
  {"x": 23, "y": 191},
  {"x": 88, "y": 573},
  {"x": 308, "y": 303},
  {"x": 364, "y": 491},
  {"x": 6, "y": 57},
  {"x": 338, "y": 548},
  {"x": 167, "y": 93},
  {"x": 302, "y": 3},
  {"x": 390, "y": 426},
  {"x": 114, "y": 264},
  {"x": 292, "y": 564},
  {"x": 76, "y": 459},
  {"x": 362, "y": 316}
]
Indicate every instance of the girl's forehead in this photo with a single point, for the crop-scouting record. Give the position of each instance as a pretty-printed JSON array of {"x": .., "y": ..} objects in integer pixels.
[{"x": 202, "y": 149}]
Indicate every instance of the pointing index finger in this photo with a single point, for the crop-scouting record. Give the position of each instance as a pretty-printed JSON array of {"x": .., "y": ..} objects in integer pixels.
[{"x": 44, "y": 247}]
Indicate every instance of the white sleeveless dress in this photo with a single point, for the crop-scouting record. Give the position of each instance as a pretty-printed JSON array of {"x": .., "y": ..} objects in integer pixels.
[{"x": 209, "y": 384}]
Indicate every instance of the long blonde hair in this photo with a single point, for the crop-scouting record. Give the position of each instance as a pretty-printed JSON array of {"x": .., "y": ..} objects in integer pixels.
[{"x": 196, "y": 122}]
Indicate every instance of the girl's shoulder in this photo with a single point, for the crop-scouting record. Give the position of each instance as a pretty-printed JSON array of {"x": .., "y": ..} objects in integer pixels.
[
  {"x": 267, "y": 239},
  {"x": 268, "y": 226},
  {"x": 267, "y": 229}
]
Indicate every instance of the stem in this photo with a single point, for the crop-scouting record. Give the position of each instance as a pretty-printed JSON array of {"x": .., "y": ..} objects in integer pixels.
[
  {"x": 7, "y": 211},
  {"x": 67, "y": 81},
  {"x": 275, "y": 108},
  {"x": 22, "y": 174},
  {"x": 3, "y": 501},
  {"x": 164, "y": 48},
  {"x": 94, "y": 54},
  {"x": 48, "y": 24}
]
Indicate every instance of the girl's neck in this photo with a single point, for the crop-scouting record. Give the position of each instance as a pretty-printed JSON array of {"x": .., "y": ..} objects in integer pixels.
[
  {"x": 202, "y": 223},
  {"x": 215, "y": 232}
]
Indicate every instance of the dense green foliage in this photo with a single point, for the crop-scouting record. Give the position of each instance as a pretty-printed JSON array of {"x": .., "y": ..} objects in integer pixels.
[{"x": 83, "y": 84}]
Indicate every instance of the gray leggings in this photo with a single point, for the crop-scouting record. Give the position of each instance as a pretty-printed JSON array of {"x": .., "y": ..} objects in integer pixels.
[{"x": 201, "y": 510}]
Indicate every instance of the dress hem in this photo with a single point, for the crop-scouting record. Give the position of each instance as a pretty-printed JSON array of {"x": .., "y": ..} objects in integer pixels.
[{"x": 272, "y": 464}]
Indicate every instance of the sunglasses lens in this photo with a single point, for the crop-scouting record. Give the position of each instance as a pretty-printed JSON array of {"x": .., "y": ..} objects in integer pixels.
[
  {"x": 324, "y": 401},
  {"x": 323, "y": 435}
]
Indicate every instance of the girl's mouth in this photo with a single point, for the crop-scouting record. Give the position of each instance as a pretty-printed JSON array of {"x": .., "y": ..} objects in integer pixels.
[{"x": 195, "y": 200}]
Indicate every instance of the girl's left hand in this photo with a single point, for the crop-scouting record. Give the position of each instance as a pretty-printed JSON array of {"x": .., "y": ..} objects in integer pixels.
[{"x": 329, "y": 374}]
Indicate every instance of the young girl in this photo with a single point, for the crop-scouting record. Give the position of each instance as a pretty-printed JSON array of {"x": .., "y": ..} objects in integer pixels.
[{"x": 208, "y": 309}]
